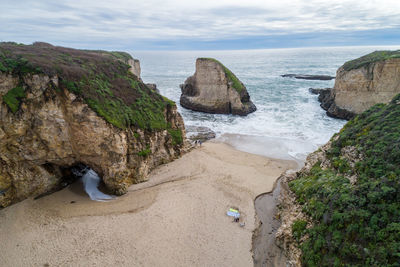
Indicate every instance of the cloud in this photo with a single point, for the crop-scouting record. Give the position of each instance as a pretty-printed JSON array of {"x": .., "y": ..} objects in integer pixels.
[{"x": 124, "y": 23}]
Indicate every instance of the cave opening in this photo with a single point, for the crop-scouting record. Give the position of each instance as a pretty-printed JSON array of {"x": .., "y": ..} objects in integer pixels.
[{"x": 90, "y": 181}]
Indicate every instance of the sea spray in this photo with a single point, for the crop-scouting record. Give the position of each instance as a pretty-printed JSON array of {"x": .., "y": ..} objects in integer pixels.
[{"x": 90, "y": 183}]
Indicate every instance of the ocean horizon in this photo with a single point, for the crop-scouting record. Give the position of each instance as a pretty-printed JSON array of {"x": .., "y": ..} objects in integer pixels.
[{"x": 289, "y": 122}]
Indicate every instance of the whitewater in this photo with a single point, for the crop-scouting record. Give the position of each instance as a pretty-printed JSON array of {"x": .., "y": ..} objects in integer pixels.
[{"x": 289, "y": 122}]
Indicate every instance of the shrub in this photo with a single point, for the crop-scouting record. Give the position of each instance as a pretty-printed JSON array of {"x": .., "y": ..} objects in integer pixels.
[{"x": 356, "y": 225}]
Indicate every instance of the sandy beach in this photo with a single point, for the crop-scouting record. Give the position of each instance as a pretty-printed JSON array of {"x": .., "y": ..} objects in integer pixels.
[{"x": 177, "y": 218}]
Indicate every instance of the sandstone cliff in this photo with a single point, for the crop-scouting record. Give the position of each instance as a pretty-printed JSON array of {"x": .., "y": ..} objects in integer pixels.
[
  {"x": 364, "y": 82},
  {"x": 62, "y": 107},
  {"x": 215, "y": 89},
  {"x": 342, "y": 208}
]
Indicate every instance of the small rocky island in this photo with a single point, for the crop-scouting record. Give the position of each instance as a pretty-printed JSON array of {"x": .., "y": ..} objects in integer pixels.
[
  {"x": 61, "y": 108},
  {"x": 362, "y": 83},
  {"x": 215, "y": 89}
]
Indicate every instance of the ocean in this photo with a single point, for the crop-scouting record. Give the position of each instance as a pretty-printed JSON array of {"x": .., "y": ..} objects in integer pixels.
[{"x": 288, "y": 123}]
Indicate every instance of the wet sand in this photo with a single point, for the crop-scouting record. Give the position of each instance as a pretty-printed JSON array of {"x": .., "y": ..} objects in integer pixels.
[
  {"x": 265, "y": 251},
  {"x": 177, "y": 218}
]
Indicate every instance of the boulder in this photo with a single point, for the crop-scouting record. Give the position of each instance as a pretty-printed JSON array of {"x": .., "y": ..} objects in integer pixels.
[
  {"x": 318, "y": 91},
  {"x": 215, "y": 89},
  {"x": 199, "y": 133}
]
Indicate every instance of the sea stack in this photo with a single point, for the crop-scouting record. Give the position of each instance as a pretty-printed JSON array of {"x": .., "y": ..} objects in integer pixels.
[
  {"x": 215, "y": 89},
  {"x": 364, "y": 82}
]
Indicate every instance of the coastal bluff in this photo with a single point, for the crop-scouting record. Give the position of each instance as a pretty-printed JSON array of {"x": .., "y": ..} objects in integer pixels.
[
  {"x": 364, "y": 82},
  {"x": 215, "y": 89},
  {"x": 347, "y": 193},
  {"x": 62, "y": 107}
]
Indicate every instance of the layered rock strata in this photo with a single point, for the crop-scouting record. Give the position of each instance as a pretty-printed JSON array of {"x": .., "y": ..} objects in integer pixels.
[
  {"x": 364, "y": 82},
  {"x": 53, "y": 119},
  {"x": 215, "y": 89}
]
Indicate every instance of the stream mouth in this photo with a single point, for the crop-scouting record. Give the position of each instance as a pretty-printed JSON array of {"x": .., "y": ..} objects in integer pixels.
[{"x": 265, "y": 251}]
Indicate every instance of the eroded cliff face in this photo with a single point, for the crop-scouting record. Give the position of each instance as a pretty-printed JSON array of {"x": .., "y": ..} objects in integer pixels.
[
  {"x": 290, "y": 210},
  {"x": 360, "y": 88},
  {"x": 53, "y": 129},
  {"x": 214, "y": 89},
  {"x": 56, "y": 129},
  {"x": 135, "y": 67}
]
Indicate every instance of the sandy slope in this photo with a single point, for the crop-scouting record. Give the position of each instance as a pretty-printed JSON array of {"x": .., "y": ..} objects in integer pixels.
[{"x": 177, "y": 218}]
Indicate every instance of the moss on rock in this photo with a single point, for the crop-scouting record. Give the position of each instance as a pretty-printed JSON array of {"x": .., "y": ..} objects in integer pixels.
[{"x": 13, "y": 98}]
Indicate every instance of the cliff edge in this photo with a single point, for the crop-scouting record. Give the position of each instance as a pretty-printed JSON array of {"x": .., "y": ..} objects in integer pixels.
[
  {"x": 364, "y": 82},
  {"x": 215, "y": 89},
  {"x": 62, "y": 107},
  {"x": 343, "y": 207}
]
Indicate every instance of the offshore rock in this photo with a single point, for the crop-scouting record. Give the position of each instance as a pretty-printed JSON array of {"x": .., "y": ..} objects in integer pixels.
[
  {"x": 215, "y": 89},
  {"x": 309, "y": 77},
  {"x": 50, "y": 123}
]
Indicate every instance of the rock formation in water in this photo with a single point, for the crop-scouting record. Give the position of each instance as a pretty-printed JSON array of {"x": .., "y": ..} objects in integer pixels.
[
  {"x": 215, "y": 89},
  {"x": 309, "y": 77},
  {"x": 364, "y": 82},
  {"x": 62, "y": 107},
  {"x": 342, "y": 207}
]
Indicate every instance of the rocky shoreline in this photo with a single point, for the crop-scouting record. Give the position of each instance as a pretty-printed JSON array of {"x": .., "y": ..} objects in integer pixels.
[{"x": 327, "y": 101}]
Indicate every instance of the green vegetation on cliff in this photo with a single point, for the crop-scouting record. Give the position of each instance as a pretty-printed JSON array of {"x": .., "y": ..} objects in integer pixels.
[
  {"x": 13, "y": 98},
  {"x": 231, "y": 77},
  {"x": 102, "y": 79},
  {"x": 370, "y": 58},
  {"x": 355, "y": 225}
]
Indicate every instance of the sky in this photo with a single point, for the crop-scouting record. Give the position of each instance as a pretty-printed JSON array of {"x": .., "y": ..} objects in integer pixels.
[{"x": 200, "y": 24}]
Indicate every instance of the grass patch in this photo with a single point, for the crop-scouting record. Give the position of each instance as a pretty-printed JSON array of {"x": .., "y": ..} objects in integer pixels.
[
  {"x": 239, "y": 87},
  {"x": 176, "y": 135},
  {"x": 356, "y": 225},
  {"x": 145, "y": 152},
  {"x": 370, "y": 58},
  {"x": 13, "y": 98}
]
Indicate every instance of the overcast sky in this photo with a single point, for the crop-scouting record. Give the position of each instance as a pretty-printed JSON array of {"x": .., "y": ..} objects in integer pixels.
[{"x": 200, "y": 24}]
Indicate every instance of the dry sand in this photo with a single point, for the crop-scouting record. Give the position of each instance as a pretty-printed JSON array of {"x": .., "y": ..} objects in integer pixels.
[{"x": 177, "y": 218}]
